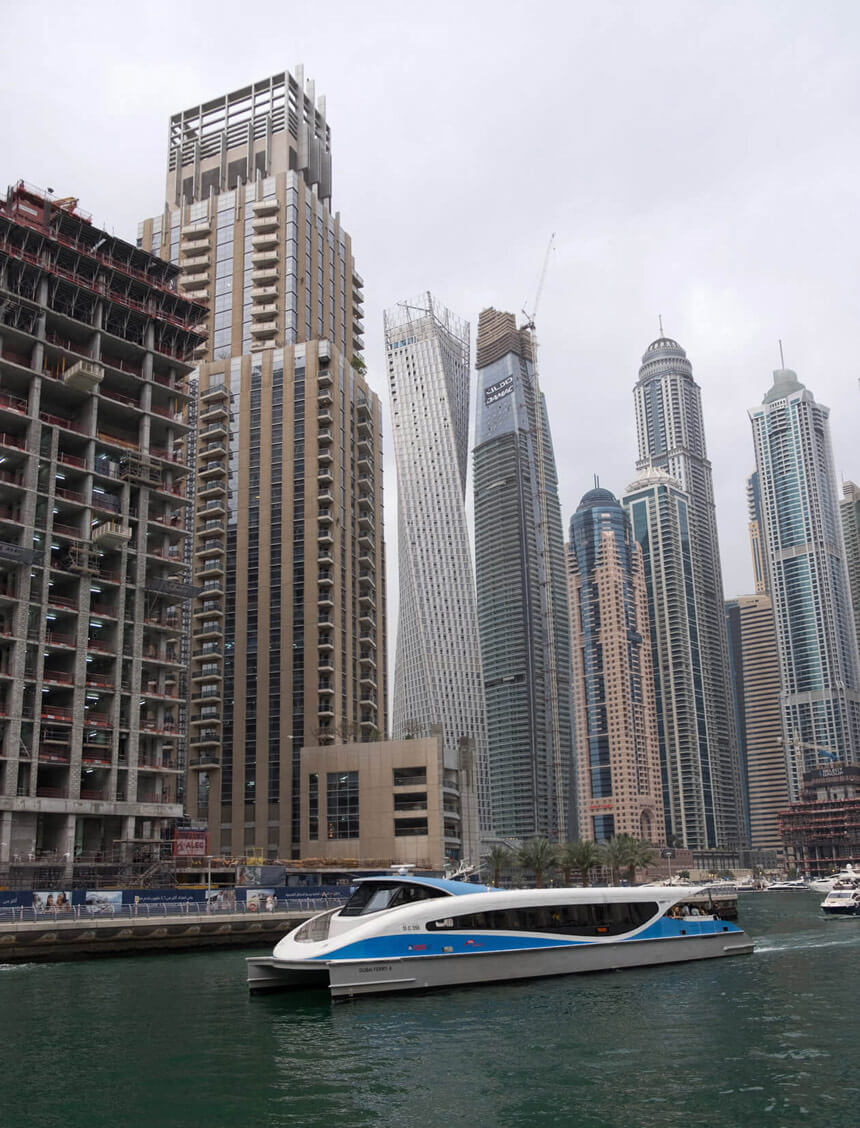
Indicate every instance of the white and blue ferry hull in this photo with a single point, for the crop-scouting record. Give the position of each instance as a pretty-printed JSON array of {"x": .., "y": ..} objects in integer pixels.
[{"x": 404, "y": 953}]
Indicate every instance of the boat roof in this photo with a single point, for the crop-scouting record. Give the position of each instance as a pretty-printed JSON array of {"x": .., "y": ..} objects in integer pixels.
[{"x": 455, "y": 888}]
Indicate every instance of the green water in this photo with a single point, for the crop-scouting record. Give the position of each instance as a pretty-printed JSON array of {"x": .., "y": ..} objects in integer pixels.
[{"x": 765, "y": 1040}]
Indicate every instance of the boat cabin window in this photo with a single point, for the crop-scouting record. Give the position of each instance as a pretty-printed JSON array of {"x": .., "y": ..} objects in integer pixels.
[
  {"x": 372, "y": 897},
  {"x": 570, "y": 920}
]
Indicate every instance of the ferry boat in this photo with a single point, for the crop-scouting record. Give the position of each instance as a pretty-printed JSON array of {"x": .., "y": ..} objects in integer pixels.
[{"x": 406, "y": 933}]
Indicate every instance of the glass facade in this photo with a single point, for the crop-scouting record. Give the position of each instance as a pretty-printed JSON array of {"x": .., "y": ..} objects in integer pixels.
[
  {"x": 808, "y": 579},
  {"x": 437, "y": 679},
  {"x": 521, "y": 590},
  {"x": 658, "y": 516},
  {"x": 342, "y": 804}
]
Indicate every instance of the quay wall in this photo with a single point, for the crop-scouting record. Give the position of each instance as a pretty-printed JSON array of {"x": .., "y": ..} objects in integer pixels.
[{"x": 47, "y": 940}]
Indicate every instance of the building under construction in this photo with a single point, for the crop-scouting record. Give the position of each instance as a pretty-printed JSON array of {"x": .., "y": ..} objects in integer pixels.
[
  {"x": 822, "y": 831},
  {"x": 93, "y": 422}
]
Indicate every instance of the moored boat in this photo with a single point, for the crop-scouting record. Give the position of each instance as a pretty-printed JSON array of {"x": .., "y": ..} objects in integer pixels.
[
  {"x": 404, "y": 933},
  {"x": 825, "y": 884},
  {"x": 843, "y": 899}
]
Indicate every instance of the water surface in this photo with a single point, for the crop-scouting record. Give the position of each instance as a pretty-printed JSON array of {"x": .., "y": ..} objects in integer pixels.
[{"x": 766, "y": 1040}]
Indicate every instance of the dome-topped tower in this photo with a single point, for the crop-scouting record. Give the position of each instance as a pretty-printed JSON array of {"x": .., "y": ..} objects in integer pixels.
[
  {"x": 671, "y": 434},
  {"x": 597, "y": 497},
  {"x": 664, "y": 355}
]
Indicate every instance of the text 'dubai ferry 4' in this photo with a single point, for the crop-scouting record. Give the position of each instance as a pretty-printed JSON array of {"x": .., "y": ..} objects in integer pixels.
[{"x": 415, "y": 933}]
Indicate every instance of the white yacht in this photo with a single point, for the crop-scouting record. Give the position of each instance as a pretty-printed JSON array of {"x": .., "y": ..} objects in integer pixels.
[
  {"x": 403, "y": 933},
  {"x": 844, "y": 898},
  {"x": 825, "y": 884}
]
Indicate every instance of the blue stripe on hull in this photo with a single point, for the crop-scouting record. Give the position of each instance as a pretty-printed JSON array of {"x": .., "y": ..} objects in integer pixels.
[{"x": 415, "y": 944}]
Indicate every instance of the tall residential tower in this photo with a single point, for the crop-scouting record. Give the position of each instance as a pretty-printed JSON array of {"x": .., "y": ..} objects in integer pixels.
[
  {"x": 288, "y": 632},
  {"x": 808, "y": 579},
  {"x": 437, "y": 673},
  {"x": 849, "y": 514},
  {"x": 521, "y": 589},
  {"x": 619, "y": 788},
  {"x": 671, "y": 437},
  {"x": 660, "y": 518}
]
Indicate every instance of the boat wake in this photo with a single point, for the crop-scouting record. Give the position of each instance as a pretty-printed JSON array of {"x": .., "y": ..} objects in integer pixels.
[{"x": 801, "y": 943}]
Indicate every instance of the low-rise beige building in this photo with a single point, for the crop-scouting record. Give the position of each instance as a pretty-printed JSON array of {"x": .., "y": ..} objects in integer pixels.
[{"x": 391, "y": 800}]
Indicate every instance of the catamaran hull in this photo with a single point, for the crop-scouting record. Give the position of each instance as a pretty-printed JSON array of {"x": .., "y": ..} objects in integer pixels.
[{"x": 349, "y": 978}]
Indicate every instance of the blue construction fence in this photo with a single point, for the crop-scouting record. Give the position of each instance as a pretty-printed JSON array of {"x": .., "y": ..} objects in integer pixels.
[{"x": 244, "y": 899}]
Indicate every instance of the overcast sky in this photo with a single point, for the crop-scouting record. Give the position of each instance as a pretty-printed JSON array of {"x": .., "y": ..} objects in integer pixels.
[{"x": 698, "y": 160}]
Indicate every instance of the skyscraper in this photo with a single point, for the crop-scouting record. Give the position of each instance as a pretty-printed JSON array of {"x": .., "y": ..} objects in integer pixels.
[
  {"x": 755, "y": 667},
  {"x": 808, "y": 578},
  {"x": 437, "y": 672},
  {"x": 759, "y": 560},
  {"x": 521, "y": 590},
  {"x": 849, "y": 513},
  {"x": 659, "y": 516},
  {"x": 288, "y": 632},
  {"x": 95, "y": 343},
  {"x": 619, "y": 788},
  {"x": 671, "y": 437}
]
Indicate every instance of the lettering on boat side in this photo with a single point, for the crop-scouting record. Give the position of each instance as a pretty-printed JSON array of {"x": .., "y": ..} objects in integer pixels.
[{"x": 374, "y": 968}]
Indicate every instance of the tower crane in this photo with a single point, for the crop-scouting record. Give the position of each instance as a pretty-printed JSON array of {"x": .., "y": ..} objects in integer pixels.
[
  {"x": 530, "y": 317},
  {"x": 796, "y": 766}
]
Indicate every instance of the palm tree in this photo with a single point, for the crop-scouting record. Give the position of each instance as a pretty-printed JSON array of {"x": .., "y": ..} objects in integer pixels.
[
  {"x": 538, "y": 855},
  {"x": 617, "y": 854},
  {"x": 582, "y": 855},
  {"x": 498, "y": 859},
  {"x": 641, "y": 856}
]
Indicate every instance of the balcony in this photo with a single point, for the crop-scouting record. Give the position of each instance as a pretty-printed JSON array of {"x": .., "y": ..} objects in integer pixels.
[
  {"x": 200, "y": 230},
  {"x": 111, "y": 535},
  {"x": 194, "y": 283},
  {"x": 84, "y": 375},
  {"x": 210, "y": 629},
  {"x": 214, "y": 393},
  {"x": 264, "y": 240},
  {"x": 264, "y": 274},
  {"x": 210, "y": 469},
  {"x": 205, "y": 760},
  {"x": 264, "y": 312}
]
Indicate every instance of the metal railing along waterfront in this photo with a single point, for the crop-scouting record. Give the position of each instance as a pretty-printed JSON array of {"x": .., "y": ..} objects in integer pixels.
[{"x": 171, "y": 909}]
